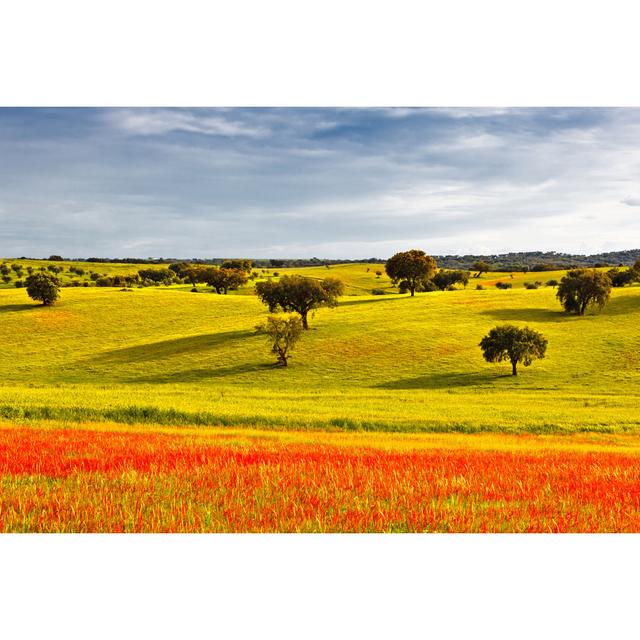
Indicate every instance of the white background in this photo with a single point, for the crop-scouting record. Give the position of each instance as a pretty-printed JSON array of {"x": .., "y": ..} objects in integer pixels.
[{"x": 296, "y": 53}]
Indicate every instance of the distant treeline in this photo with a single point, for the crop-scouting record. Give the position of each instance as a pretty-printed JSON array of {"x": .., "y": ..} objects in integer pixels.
[{"x": 523, "y": 261}]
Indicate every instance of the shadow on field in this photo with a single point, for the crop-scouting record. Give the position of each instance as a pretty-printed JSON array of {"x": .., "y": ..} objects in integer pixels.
[
  {"x": 198, "y": 375},
  {"x": 168, "y": 348},
  {"x": 386, "y": 298},
  {"x": 529, "y": 313},
  {"x": 620, "y": 306},
  {"x": 443, "y": 381},
  {"x": 7, "y": 308}
]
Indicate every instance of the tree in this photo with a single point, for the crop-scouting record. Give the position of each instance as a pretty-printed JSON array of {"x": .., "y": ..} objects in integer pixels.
[
  {"x": 446, "y": 278},
  {"x": 240, "y": 265},
  {"x": 481, "y": 267},
  {"x": 582, "y": 288},
  {"x": 299, "y": 294},
  {"x": 43, "y": 287},
  {"x": 192, "y": 274},
  {"x": 621, "y": 278},
  {"x": 283, "y": 332},
  {"x": 413, "y": 268},
  {"x": 507, "y": 342},
  {"x": 224, "y": 279}
]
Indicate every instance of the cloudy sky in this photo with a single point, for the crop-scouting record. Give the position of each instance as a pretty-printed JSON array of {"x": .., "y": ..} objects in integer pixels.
[{"x": 333, "y": 183}]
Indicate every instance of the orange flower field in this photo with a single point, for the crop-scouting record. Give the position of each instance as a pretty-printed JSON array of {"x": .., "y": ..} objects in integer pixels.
[{"x": 116, "y": 479}]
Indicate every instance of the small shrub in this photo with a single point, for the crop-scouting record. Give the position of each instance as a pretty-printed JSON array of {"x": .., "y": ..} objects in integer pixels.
[
  {"x": 503, "y": 285},
  {"x": 479, "y": 287},
  {"x": 377, "y": 292},
  {"x": 530, "y": 285},
  {"x": 552, "y": 283}
]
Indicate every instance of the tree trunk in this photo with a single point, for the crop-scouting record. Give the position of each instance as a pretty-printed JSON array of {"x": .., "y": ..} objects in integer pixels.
[
  {"x": 305, "y": 324},
  {"x": 513, "y": 368},
  {"x": 413, "y": 291}
]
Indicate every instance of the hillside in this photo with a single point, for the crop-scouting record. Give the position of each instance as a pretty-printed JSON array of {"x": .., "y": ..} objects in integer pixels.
[{"x": 163, "y": 354}]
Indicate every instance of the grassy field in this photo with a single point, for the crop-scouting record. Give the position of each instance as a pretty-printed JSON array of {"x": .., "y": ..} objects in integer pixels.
[
  {"x": 135, "y": 410},
  {"x": 165, "y": 355}
]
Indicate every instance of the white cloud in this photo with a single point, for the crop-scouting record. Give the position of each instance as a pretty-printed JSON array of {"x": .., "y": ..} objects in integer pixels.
[
  {"x": 161, "y": 121},
  {"x": 632, "y": 202}
]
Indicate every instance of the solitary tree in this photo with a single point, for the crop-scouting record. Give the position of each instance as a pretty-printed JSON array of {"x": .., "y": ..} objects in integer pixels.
[
  {"x": 582, "y": 288},
  {"x": 283, "y": 332},
  {"x": 411, "y": 268},
  {"x": 43, "y": 287},
  {"x": 507, "y": 342},
  {"x": 300, "y": 295},
  {"x": 481, "y": 267}
]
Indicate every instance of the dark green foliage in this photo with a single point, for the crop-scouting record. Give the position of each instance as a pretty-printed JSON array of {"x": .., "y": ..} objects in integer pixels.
[
  {"x": 531, "y": 285},
  {"x": 283, "y": 332},
  {"x": 18, "y": 284},
  {"x": 552, "y": 283},
  {"x": 414, "y": 268},
  {"x": 56, "y": 258},
  {"x": 377, "y": 292},
  {"x": 43, "y": 287},
  {"x": 299, "y": 294},
  {"x": 621, "y": 278},
  {"x": 479, "y": 287},
  {"x": 179, "y": 268},
  {"x": 481, "y": 267},
  {"x": 446, "y": 278},
  {"x": 583, "y": 288},
  {"x": 239, "y": 265},
  {"x": 507, "y": 342},
  {"x": 161, "y": 276},
  {"x": 54, "y": 268},
  {"x": 5, "y": 269},
  {"x": 504, "y": 285},
  {"x": 223, "y": 280}
]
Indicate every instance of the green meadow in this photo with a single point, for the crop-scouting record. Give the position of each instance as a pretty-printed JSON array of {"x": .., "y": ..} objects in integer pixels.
[{"x": 165, "y": 355}]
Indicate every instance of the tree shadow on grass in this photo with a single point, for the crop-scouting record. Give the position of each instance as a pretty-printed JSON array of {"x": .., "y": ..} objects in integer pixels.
[
  {"x": 385, "y": 298},
  {"x": 444, "y": 381},
  {"x": 8, "y": 308},
  {"x": 620, "y": 306},
  {"x": 200, "y": 375},
  {"x": 170, "y": 348},
  {"x": 523, "y": 314}
]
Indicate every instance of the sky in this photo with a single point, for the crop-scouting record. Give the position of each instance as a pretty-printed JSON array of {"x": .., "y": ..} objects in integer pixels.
[{"x": 331, "y": 183}]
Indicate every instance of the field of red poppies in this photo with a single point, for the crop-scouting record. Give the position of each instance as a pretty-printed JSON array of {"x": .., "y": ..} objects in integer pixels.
[{"x": 102, "y": 479}]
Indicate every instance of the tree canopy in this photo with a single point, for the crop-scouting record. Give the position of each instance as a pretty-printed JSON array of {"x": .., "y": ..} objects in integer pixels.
[
  {"x": 583, "y": 288},
  {"x": 412, "y": 269},
  {"x": 43, "y": 287},
  {"x": 507, "y": 342},
  {"x": 446, "y": 278},
  {"x": 299, "y": 294},
  {"x": 481, "y": 267},
  {"x": 223, "y": 280}
]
